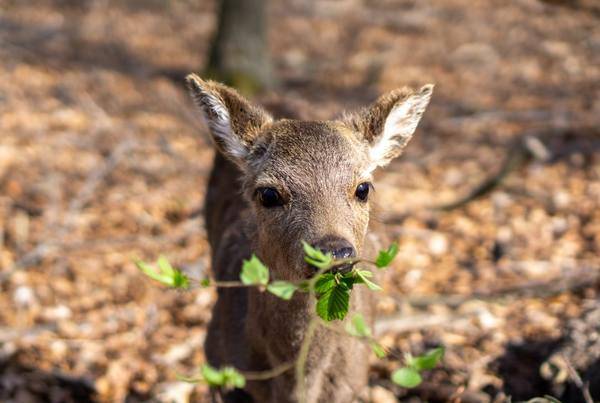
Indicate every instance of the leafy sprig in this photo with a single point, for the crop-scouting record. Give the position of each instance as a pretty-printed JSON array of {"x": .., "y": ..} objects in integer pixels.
[
  {"x": 331, "y": 286},
  {"x": 409, "y": 376},
  {"x": 254, "y": 272},
  {"x": 386, "y": 257},
  {"x": 357, "y": 327},
  {"x": 332, "y": 289},
  {"x": 226, "y": 377},
  {"x": 164, "y": 273},
  {"x": 316, "y": 258}
]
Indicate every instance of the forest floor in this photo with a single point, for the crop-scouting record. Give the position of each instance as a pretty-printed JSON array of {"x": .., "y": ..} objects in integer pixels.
[{"x": 104, "y": 159}]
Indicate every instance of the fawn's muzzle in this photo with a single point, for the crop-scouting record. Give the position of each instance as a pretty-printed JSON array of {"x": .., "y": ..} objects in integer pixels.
[{"x": 338, "y": 247}]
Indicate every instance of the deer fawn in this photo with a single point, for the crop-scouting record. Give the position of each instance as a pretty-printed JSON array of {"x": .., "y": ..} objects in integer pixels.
[{"x": 274, "y": 184}]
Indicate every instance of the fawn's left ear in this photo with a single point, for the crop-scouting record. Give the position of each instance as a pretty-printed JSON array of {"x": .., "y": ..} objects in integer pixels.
[
  {"x": 389, "y": 123},
  {"x": 233, "y": 121}
]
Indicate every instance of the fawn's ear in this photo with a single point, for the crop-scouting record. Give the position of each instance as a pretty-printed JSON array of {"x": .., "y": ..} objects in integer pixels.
[
  {"x": 233, "y": 121},
  {"x": 389, "y": 123}
]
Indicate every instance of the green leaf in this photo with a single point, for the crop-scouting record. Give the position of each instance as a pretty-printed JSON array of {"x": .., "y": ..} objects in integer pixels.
[
  {"x": 378, "y": 349},
  {"x": 226, "y": 377},
  {"x": 324, "y": 283},
  {"x": 233, "y": 379},
  {"x": 349, "y": 278},
  {"x": 180, "y": 280},
  {"x": 357, "y": 327},
  {"x": 164, "y": 265},
  {"x": 282, "y": 289},
  {"x": 426, "y": 361},
  {"x": 407, "y": 377},
  {"x": 254, "y": 272},
  {"x": 205, "y": 282},
  {"x": 362, "y": 275},
  {"x": 334, "y": 303},
  {"x": 165, "y": 273},
  {"x": 316, "y": 257},
  {"x": 212, "y": 376},
  {"x": 385, "y": 257},
  {"x": 149, "y": 271}
]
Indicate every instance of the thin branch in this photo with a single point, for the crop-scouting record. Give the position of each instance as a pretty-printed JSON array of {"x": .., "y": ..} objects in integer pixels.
[
  {"x": 308, "y": 336},
  {"x": 254, "y": 375},
  {"x": 270, "y": 373},
  {"x": 302, "y": 358},
  {"x": 583, "y": 387},
  {"x": 369, "y": 340},
  {"x": 515, "y": 157},
  {"x": 298, "y": 283},
  {"x": 400, "y": 323},
  {"x": 531, "y": 289}
]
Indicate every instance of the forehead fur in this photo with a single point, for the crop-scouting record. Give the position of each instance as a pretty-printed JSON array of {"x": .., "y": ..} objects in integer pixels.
[{"x": 305, "y": 149}]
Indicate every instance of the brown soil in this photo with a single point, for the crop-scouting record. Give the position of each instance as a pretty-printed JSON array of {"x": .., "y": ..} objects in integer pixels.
[{"x": 103, "y": 159}]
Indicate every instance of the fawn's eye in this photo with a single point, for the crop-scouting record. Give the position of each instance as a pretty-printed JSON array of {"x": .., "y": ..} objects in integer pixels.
[
  {"x": 269, "y": 197},
  {"x": 362, "y": 191}
]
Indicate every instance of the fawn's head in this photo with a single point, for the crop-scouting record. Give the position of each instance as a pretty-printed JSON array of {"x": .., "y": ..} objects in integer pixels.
[{"x": 308, "y": 180}]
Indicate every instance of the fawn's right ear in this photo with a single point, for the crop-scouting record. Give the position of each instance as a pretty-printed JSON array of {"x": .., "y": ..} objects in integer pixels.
[
  {"x": 389, "y": 123},
  {"x": 233, "y": 121}
]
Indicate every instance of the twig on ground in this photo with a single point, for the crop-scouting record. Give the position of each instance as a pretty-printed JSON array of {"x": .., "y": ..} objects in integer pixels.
[
  {"x": 534, "y": 289},
  {"x": 402, "y": 323},
  {"x": 583, "y": 387},
  {"x": 531, "y": 289},
  {"x": 515, "y": 157}
]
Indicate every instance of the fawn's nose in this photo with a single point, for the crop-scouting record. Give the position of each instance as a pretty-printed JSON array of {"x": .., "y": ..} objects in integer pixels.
[{"x": 338, "y": 247}]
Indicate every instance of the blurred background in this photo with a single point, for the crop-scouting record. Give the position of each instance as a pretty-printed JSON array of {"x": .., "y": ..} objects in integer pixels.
[{"x": 495, "y": 203}]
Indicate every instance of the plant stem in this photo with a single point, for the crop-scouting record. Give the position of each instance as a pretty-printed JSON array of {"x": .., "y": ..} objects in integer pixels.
[
  {"x": 269, "y": 373},
  {"x": 302, "y": 357}
]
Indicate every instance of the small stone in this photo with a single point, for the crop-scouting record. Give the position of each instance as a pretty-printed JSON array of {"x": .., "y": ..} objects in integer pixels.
[
  {"x": 561, "y": 199},
  {"x": 59, "y": 349},
  {"x": 438, "y": 245},
  {"x": 379, "y": 394},
  {"x": 176, "y": 354},
  {"x": 412, "y": 278},
  {"x": 487, "y": 320},
  {"x": 174, "y": 392},
  {"x": 386, "y": 305},
  {"x": 24, "y": 297},
  {"x": 59, "y": 312}
]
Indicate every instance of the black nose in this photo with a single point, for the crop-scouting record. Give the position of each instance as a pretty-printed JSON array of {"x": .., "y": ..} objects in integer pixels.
[{"x": 338, "y": 247}]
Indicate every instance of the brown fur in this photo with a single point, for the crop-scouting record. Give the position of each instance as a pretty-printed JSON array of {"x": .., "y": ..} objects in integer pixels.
[{"x": 316, "y": 167}]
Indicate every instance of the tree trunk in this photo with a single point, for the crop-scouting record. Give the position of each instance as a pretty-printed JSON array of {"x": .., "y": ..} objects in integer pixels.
[{"x": 239, "y": 55}]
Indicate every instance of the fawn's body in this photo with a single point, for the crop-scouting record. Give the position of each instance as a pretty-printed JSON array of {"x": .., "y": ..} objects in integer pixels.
[
  {"x": 256, "y": 331},
  {"x": 274, "y": 184}
]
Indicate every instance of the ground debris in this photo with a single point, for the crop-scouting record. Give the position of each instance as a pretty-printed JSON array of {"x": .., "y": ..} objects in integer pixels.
[{"x": 103, "y": 159}]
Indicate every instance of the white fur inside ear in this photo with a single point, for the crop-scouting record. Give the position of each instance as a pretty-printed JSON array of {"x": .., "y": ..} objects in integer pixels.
[
  {"x": 218, "y": 119},
  {"x": 399, "y": 126}
]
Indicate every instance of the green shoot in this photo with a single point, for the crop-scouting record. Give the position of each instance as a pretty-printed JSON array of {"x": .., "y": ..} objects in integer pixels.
[
  {"x": 254, "y": 272},
  {"x": 385, "y": 257},
  {"x": 317, "y": 258},
  {"x": 226, "y": 377},
  {"x": 164, "y": 273},
  {"x": 283, "y": 289},
  {"x": 410, "y": 375}
]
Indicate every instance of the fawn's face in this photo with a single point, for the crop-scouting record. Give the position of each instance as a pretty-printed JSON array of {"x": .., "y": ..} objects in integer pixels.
[{"x": 308, "y": 181}]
